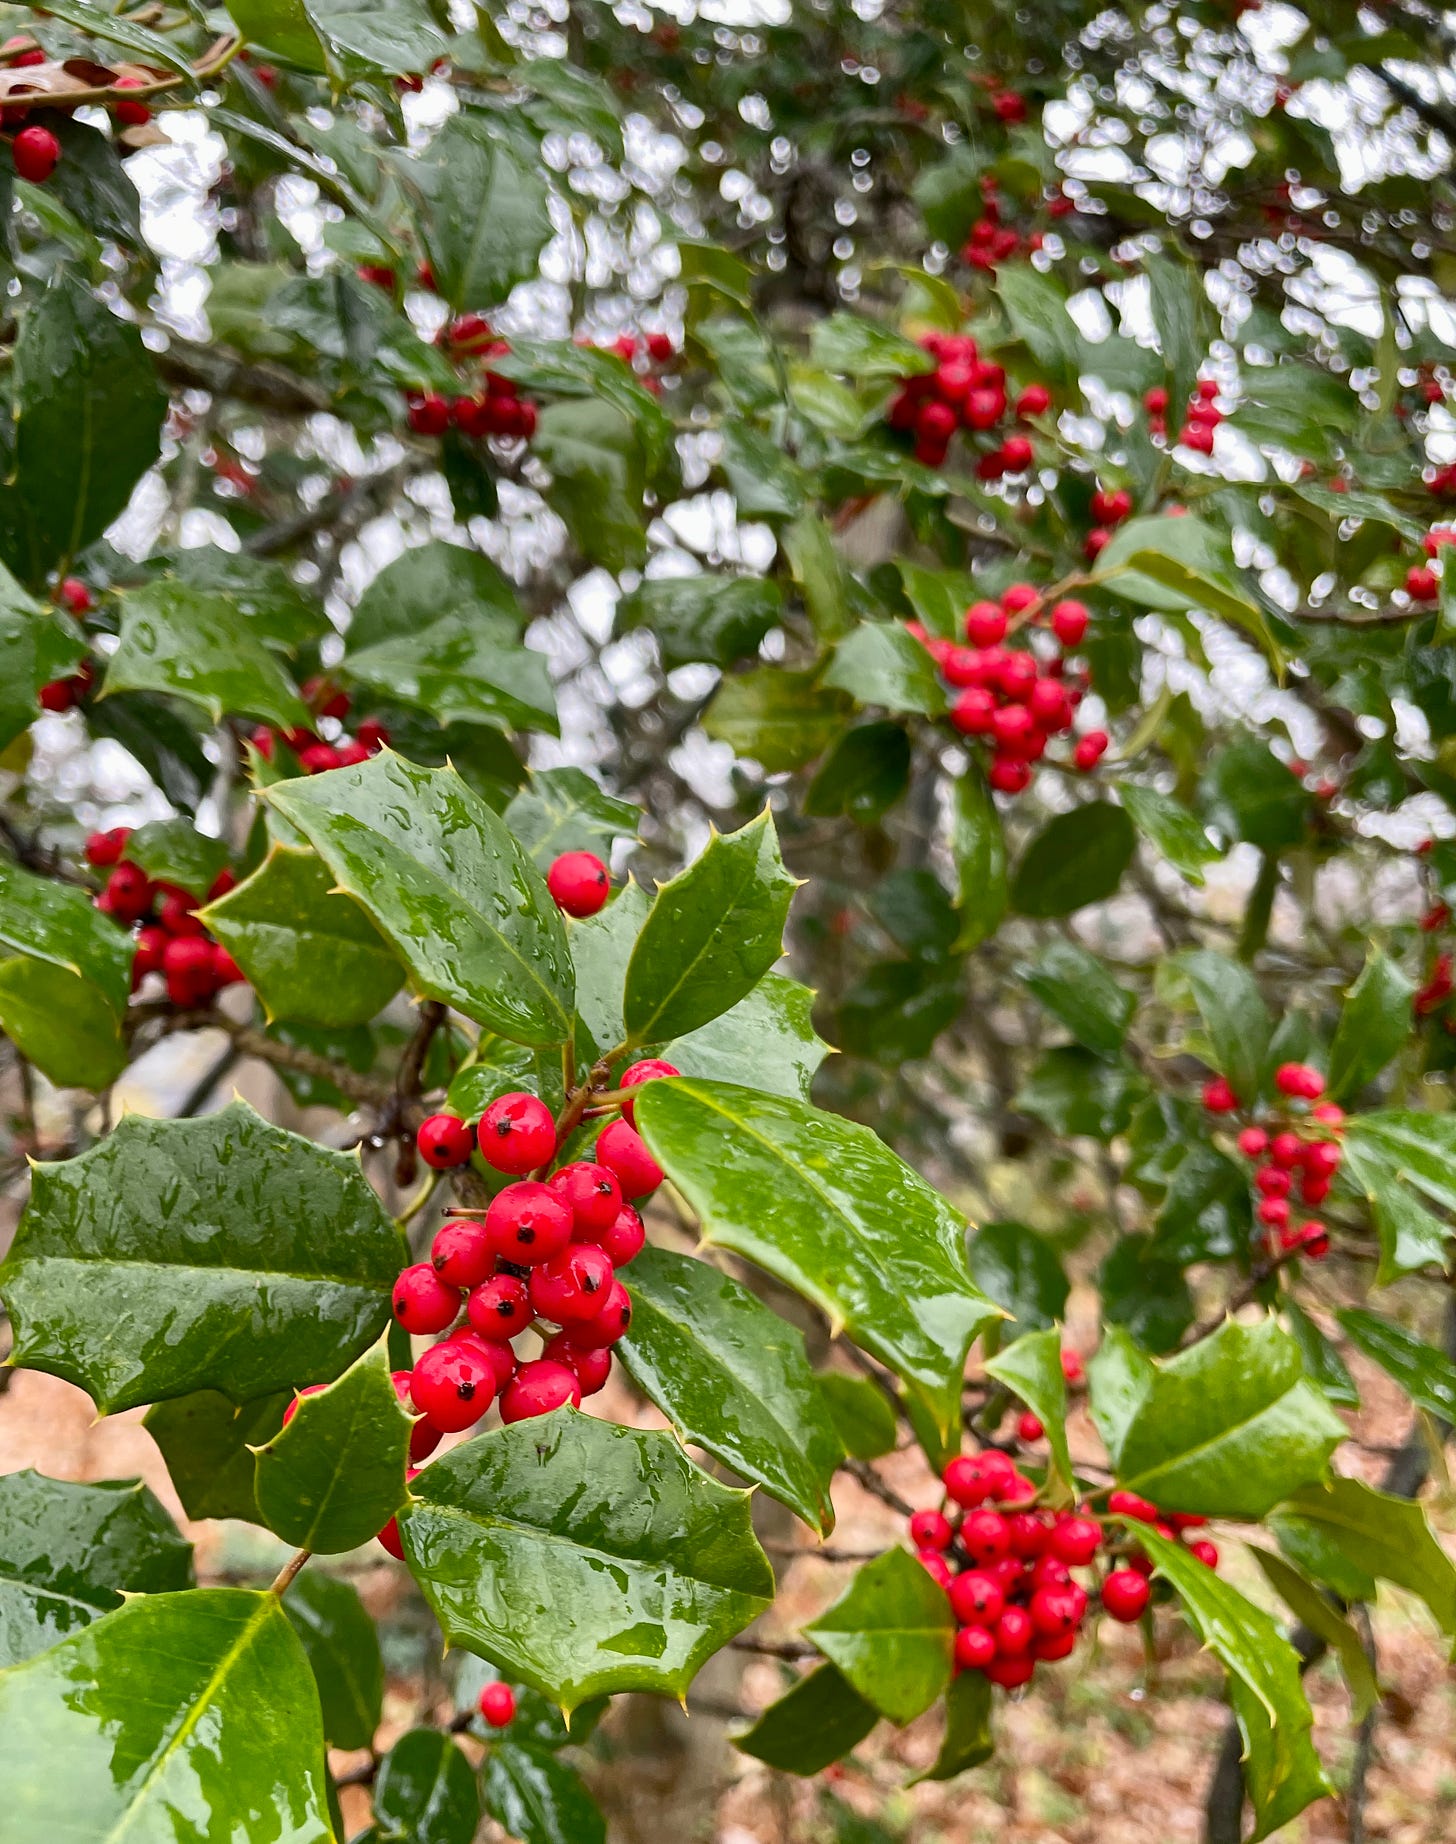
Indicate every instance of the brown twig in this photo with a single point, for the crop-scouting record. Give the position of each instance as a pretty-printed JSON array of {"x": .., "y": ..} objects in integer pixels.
[
  {"x": 283, "y": 1580},
  {"x": 776, "y": 1648},
  {"x": 876, "y": 1487}
]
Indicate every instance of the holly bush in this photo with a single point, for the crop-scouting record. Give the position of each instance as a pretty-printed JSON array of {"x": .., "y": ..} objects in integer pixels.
[{"x": 507, "y": 512}]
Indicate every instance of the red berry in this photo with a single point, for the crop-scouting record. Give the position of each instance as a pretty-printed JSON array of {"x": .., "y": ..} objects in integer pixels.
[
  {"x": 1010, "y": 106},
  {"x": 1075, "y": 1541},
  {"x": 1019, "y": 598},
  {"x": 444, "y": 1141},
  {"x": 650, "y": 1069},
  {"x": 1090, "y": 750},
  {"x": 1035, "y": 400},
  {"x": 1421, "y": 584},
  {"x": 428, "y": 414},
  {"x": 1253, "y": 1142},
  {"x": 973, "y": 712},
  {"x": 423, "y": 1438},
  {"x": 1017, "y": 454},
  {"x": 624, "y": 1240},
  {"x": 610, "y": 1324},
  {"x": 1199, "y": 437},
  {"x": 1073, "y": 1369},
  {"x": 423, "y": 1302},
  {"x": 572, "y": 1286},
  {"x": 1049, "y": 705},
  {"x": 1129, "y": 1504},
  {"x": 579, "y": 883},
  {"x": 1206, "y": 1552},
  {"x": 388, "y": 1538},
  {"x": 1299, "y": 1080},
  {"x": 498, "y": 1705},
  {"x": 1055, "y": 1610},
  {"x": 985, "y": 1537},
  {"x": 1270, "y": 1181},
  {"x": 965, "y": 1481},
  {"x": 1008, "y": 776},
  {"x": 1096, "y": 541},
  {"x": 1125, "y": 1594},
  {"x": 591, "y": 1193},
  {"x": 319, "y": 759},
  {"x": 106, "y": 848},
  {"x": 1314, "y": 1239},
  {"x": 1273, "y": 1212},
  {"x": 176, "y": 913},
  {"x": 985, "y": 624},
  {"x": 1013, "y": 1632},
  {"x": 590, "y": 1368},
  {"x": 935, "y": 1567},
  {"x": 660, "y": 348},
  {"x": 187, "y": 963},
  {"x": 1028, "y": 1427},
  {"x": 976, "y": 1598},
  {"x": 1111, "y": 508},
  {"x": 151, "y": 946},
  {"x": 129, "y": 893},
  {"x": 498, "y": 1358},
  {"x": 1069, "y": 622},
  {"x": 1155, "y": 401},
  {"x": 35, "y": 152},
  {"x": 528, "y": 1223},
  {"x": 1029, "y": 1534},
  {"x": 1011, "y": 1671},
  {"x": 499, "y": 1308},
  {"x": 930, "y": 1530},
  {"x": 1286, "y": 1150},
  {"x": 623, "y": 1151},
  {"x": 452, "y": 1385},
  {"x": 516, "y": 1134},
  {"x": 463, "y": 1252},
  {"x": 974, "y": 1648},
  {"x": 371, "y": 734},
  {"x": 538, "y": 1388},
  {"x": 1219, "y": 1097}
]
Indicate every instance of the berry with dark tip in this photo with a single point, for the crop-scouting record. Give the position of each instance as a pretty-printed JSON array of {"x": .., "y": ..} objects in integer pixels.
[
  {"x": 423, "y": 1302},
  {"x": 516, "y": 1134},
  {"x": 538, "y": 1388},
  {"x": 528, "y": 1223},
  {"x": 444, "y": 1141},
  {"x": 579, "y": 883}
]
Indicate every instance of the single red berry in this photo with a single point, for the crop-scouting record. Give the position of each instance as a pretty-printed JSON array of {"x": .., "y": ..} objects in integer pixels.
[
  {"x": 1012, "y": 1670},
  {"x": 611, "y": 1322},
  {"x": 1299, "y": 1081},
  {"x": 1075, "y": 1541},
  {"x": 1028, "y": 1427},
  {"x": 538, "y": 1388},
  {"x": 1125, "y": 1594},
  {"x": 129, "y": 892},
  {"x": 225, "y": 970},
  {"x": 660, "y": 348},
  {"x": 590, "y": 1368},
  {"x": 351, "y": 754},
  {"x": 1111, "y": 508},
  {"x": 1199, "y": 437},
  {"x": 650, "y": 1069},
  {"x": 106, "y": 848},
  {"x": 965, "y": 1481},
  {"x": 130, "y": 114},
  {"x": 35, "y": 152},
  {"x": 935, "y": 1566},
  {"x": 985, "y": 624},
  {"x": 1421, "y": 584},
  {"x": 1008, "y": 776},
  {"x": 1013, "y": 1632},
  {"x": 388, "y": 1539},
  {"x": 1286, "y": 1150},
  {"x": 976, "y": 1598},
  {"x": 623, "y": 1151},
  {"x": 572, "y": 1287},
  {"x": 930, "y": 1530},
  {"x": 1089, "y": 750},
  {"x": 516, "y": 1134},
  {"x": 319, "y": 759},
  {"x": 528, "y": 1223},
  {"x": 499, "y": 1308},
  {"x": 624, "y": 1240},
  {"x": 1314, "y": 1239},
  {"x": 974, "y": 1648},
  {"x": 1253, "y": 1142},
  {"x": 1270, "y": 1181},
  {"x": 1129, "y": 1504},
  {"x": 1035, "y": 400},
  {"x": 372, "y": 734},
  {"x": 497, "y": 1357},
  {"x": 151, "y": 946},
  {"x": 428, "y": 414},
  {"x": 1273, "y": 1212},
  {"x": 498, "y": 1705},
  {"x": 177, "y": 913},
  {"x": 1019, "y": 598},
  {"x": 974, "y": 712},
  {"x": 592, "y": 1194},
  {"x": 1322, "y": 1158},
  {"x": 187, "y": 963},
  {"x": 1017, "y": 675},
  {"x": 984, "y": 1536},
  {"x": 74, "y": 596},
  {"x": 445, "y": 1141},
  {"x": 1206, "y": 1553},
  {"x": 463, "y": 1252},
  {"x": 423, "y": 1302},
  {"x": 579, "y": 883},
  {"x": 1069, "y": 621},
  {"x": 1010, "y": 106},
  {"x": 1017, "y": 454},
  {"x": 1155, "y": 401},
  {"x": 423, "y": 1438},
  {"x": 1074, "y": 1371},
  {"x": 1219, "y": 1097},
  {"x": 1055, "y": 1610},
  {"x": 453, "y": 1384},
  {"x": 1096, "y": 542},
  {"x": 1049, "y": 1572}
]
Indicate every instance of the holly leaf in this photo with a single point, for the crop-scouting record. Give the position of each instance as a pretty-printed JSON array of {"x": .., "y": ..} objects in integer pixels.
[
  {"x": 890, "y": 1633},
  {"x": 601, "y": 947},
  {"x": 1372, "y": 1534},
  {"x": 565, "y": 810},
  {"x": 767, "y": 1041},
  {"x": 598, "y": 477},
  {"x": 826, "y": 1207},
  {"x": 37, "y": 644},
  {"x": 120, "y": 1728},
  {"x": 485, "y": 220},
  {"x": 1019, "y": 1270},
  {"x": 712, "y": 933},
  {"x": 342, "y": 1643},
  {"x": 334, "y": 1475},
  {"x": 1076, "y": 859},
  {"x": 583, "y": 1557},
  {"x": 175, "y": 852},
  {"x": 1325, "y": 1620},
  {"x": 1281, "y": 1769},
  {"x": 1077, "y": 989},
  {"x": 69, "y": 1553},
  {"x": 1426, "y": 1375},
  {"x": 967, "y": 1738},
  {"x": 444, "y": 880},
  {"x": 1229, "y": 1427},
  {"x": 59, "y": 924},
  {"x": 208, "y": 1444},
  {"x": 979, "y": 848},
  {"x": 1120, "y": 1378},
  {"x": 863, "y": 1416},
  {"x": 535, "y": 1796},
  {"x": 1234, "y": 1016},
  {"x": 781, "y": 719},
  {"x": 812, "y": 1725},
  {"x": 61, "y": 1023},
  {"x": 1031, "y": 1367},
  {"x": 731, "y": 1376},
  {"x": 1173, "y": 832},
  {"x": 196, "y": 644},
  {"x": 309, "y": 951},
  {"x": 426, "y": 1790},
  {"x": 1373, "y": 1028},
  {"x": 881, "y": 664},
  {"x": 237, "y": 1256},
  {"x": 1410, "y": 1234},
  {"x": 1182, "y": 563},
  {"x": 713, "y": 619}
]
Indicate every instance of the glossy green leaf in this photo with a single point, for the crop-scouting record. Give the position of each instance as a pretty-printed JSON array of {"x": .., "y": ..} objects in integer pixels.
[
  {"x": 68, "y": 1554},
  {"x": 335, "y": 1474},
  {"x": 967, "y": 1739},
  {"x": 565, "y": 810},
  {"x": 88, "y": 417},
  {"x": 1031, "y": 1368},
  {"x": 1410, "y": 1234},
  {"x": 1077, "y": 858},
  {"x": 535, "y": 1796},
  {"x": 826, "y": 1207},
  {"x": 1077, "y": 989},
  {"x": 153, "y": 46},
  {"x": 1036, "y": 306},
  {"x": 1019, "y": 1270},
  {"x": 1144, "y": 1289},
  {"x": 342, "y": 1643},
  {"x": 278, "y": 609},
  {"x": 584, "y": 1557},
  {"x": 1234, "y": 1016},
  {"x": 1426, "y": 1375},
  {"x": 881, "y": 664},
  {"x": 426, "y": 1791},
  {"x": 1075, "y": 1092},
  {"x": 979, "y": 848},
  {"x": 175, "y": 852},
  {"x": 1180, "y": 564},
  {"x": 731, "y": 1376},
  {"x": 208, "y": 1441},
  {"x": 781, "y": 719},
  {"x": 865, "y": 349},
  {"x": 499, "y": 1066},
  {"x": 1120, "y": 1378},
  {"x": 817, "y": 567},
  {"x": 1373, "y": 1028},
  {"x": 1282, "y": 1772},
  {"x": 817, "y": 1722},
  {"x": 1323, "y": 1365},
  {"x": 485, "y": 221},
  {"x": 37, "y": 644},
  {"x": 598, "y": 477},
  {"x": 712, "y": 933},
  {"x": 715, "y": 619},
  {"x": 442, "y": 877},
  {"x": 1324, "y": 1619},
  {"x": 762, "y": 479},
  {"x": 59, "y": 924},
  {"x": 196, "y": 644},
  {"x": 440, "y": 628},
  {"x": 1169, "y": 827},
  {"x": 863, "y": 1416},
  {"x": 61, "y": 1023},
  {"x": 185, "y": 1718},
  {"x": 766, "y": 1041},
  {"x": 863, "y": 775},
  {"x": 601, "y": 947},
  {"x": 237, "y": 1256},
  {"x": 890, "y": 1633},
  {"x": 309, "y": 952},
  {"x": 1230, "y": 1426},
  {"x": 1251, "y": 795},
  {"x": 1377, "y": 1535}
]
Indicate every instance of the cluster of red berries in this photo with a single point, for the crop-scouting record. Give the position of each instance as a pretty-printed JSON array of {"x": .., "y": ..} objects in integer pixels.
[
  {"x": 1109, "y": 506},
  {"x": 496, "y": 408},
  {"x": 1301, "y": 1149},
  {"x": 35, "y": 152},
  {"x": 1200, "y": 419},
  {"x": 170, "y": 940},
  {"x": 65, "y": 694},
  {"x": 991, "y": 242},
  {"x": 645, "y": 353},
  {"x": 1011, "y": 697},
  {"x": 964, "y": 391},
  {"x": 1422, "y": 584},
  {"x": 315, "y": 756}
]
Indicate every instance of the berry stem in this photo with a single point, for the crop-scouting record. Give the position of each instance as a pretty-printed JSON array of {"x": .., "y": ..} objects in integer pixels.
[{"x": 283, "y": 1580}]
